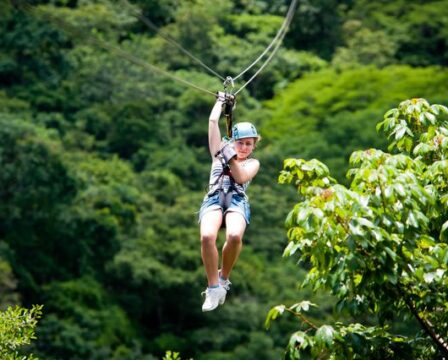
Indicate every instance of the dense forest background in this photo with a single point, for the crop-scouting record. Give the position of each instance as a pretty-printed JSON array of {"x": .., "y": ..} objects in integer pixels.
[{"x": 104, "y": 163}]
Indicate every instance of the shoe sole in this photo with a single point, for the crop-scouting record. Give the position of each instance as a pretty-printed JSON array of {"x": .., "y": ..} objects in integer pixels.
[
  {"x": 207, "y": 310},
  {"x": 221, "y": 302}
]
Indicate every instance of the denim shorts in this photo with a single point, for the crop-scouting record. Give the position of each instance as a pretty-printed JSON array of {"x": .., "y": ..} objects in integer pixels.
[{"x": 239, "y": 204}]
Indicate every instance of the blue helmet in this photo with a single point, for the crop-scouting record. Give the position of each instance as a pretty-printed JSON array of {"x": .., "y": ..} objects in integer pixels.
[{"x": 244, "y": 130}]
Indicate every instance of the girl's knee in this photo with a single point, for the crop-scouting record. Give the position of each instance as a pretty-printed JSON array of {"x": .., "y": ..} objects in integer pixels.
[
  {"x": 208, "y": 239},
  {"x": 234, "y": 238}
]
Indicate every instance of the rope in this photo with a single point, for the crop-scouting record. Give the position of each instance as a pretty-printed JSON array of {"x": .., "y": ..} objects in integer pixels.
[
  {"x": 113, "y": 49},
  {"x": 285, "y": 23},
  {"x": 169, "y": 39},
  {"x": 118, "y": 51},
  {"x": 148, "y": 66},
  {"x": 278, "y": 38}
]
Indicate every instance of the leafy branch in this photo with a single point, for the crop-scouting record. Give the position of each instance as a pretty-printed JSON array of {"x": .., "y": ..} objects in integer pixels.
[{"x": 367, "y": 242}]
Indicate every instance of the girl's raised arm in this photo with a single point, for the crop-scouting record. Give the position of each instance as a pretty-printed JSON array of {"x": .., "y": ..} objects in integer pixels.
[{"x": 214, "y": 134}]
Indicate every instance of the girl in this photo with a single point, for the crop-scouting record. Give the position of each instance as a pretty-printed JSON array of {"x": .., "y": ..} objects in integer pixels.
[{"x": 226, "y": 203}]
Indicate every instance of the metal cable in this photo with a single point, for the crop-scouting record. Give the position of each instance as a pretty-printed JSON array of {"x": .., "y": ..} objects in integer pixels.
[
  {"x": 279, "y": 42},
  {"x": 169, "y": 39},
  {"x": 285, "y": 23},
  {"x": 148, "y": 66},
  {"x": 277, "y": 39},
  {"x": 113, "y": 49}
]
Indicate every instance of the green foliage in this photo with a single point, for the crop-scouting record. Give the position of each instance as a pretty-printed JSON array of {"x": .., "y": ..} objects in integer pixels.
[
  {"x": 324, "y": 113},
  {"x": 171, "y": 355},
  {"x": 84, "y": 322},
  {"x": 260, "y": 7},
  {"x": 104, "y": 162},
  {"x": 35, "y": 190},
  {"x": 380, "y": 245},
  {"x": 103, "y": 16},
  {"x": 408, "y": 25},
  {"x": 364, "y": 47},
  {"x": 32, "y": 58},
  {"x": 12, "y": 105},
  {"x": 159, "y": 11},
  {"x": 198, "y": 36},
  {"x": 17, "y": 328},
  {"x": 317, "y": 26},
  {"x": 8, "y": 282}
]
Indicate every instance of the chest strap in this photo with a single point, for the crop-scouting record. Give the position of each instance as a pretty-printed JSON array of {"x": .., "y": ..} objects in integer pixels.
[{"x": 225, "y": 198}]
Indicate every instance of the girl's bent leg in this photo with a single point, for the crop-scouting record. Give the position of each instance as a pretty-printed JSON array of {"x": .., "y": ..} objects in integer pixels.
[
  {"x": 210, "y": 224},
  {"x": 235, "y": 225}
]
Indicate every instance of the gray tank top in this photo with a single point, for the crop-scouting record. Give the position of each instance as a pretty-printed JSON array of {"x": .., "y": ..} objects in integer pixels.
[{"x": 225, "y": 183}]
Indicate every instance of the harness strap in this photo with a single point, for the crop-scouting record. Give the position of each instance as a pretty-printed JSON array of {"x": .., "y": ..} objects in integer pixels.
[
  {"x": 225, "y": 198},
  {"x": 229, "y": 119},
  {"x": 229, "y": 105}
]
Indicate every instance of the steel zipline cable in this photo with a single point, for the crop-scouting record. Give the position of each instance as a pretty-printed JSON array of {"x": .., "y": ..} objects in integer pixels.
[
  {"x": 279, "y": 38},
  {"x": 169, "y": 39},
  {"x": 113, "y": 49},
  {"x": 277, "y": 41}
]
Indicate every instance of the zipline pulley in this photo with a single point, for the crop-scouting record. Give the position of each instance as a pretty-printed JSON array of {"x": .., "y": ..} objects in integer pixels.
[{"x": 228, "y": 81}]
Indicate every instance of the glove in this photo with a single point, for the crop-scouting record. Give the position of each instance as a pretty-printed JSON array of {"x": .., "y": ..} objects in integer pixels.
[
  {"x": 226, "y": 98},
  {"x": 227, "y": 152},
  {"x": 221, "y": 96}
]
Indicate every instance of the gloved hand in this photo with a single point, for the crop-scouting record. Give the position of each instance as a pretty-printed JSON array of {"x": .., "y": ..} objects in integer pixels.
[
  {"x": 227, "y": 152},
  {"x": 226, "y": 98},
  {"x": 221, "y": 96}
]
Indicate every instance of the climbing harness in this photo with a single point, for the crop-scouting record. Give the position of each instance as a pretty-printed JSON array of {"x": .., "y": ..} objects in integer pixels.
[{"x": 225, "y": 185}]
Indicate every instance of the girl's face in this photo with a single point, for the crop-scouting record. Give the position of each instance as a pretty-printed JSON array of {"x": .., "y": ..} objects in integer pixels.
[{"x": 244, "y": 147}]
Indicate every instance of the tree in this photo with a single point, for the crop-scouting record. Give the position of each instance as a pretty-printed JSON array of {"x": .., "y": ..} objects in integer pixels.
[
  {"x": 380, "y": 246},
  {"x": 328, "y": 115},
  {"x": 317, "y": 26},
  {"x": 84, "y": 322},
  {"x": 416, "y": 29},
  {"x": 17, "y": 329},
  {"x": 364, "y": 46},
  {"x": 8, "y": 283},
  {"x": 36, "y": 188}
]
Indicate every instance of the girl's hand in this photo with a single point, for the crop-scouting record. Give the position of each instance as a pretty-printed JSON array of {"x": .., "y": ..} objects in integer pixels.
[
  {"x": 227, "y": 151},
  {"x": 221, "y": 96}
]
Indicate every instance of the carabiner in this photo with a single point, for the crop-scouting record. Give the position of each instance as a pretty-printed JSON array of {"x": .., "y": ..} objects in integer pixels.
[{"x": 228, "y": 81}]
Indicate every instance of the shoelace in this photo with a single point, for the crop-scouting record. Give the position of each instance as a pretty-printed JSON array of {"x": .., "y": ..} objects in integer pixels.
[{"x": 226, "y": 284}]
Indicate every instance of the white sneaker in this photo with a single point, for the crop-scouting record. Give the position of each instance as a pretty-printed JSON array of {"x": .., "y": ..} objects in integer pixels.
[
  {"x": 224, "y": 283},
  {"x": 213, "y": 298}
]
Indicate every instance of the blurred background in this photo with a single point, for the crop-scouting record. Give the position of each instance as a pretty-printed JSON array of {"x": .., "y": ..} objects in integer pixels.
[{"x": 104, "y": 163}]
